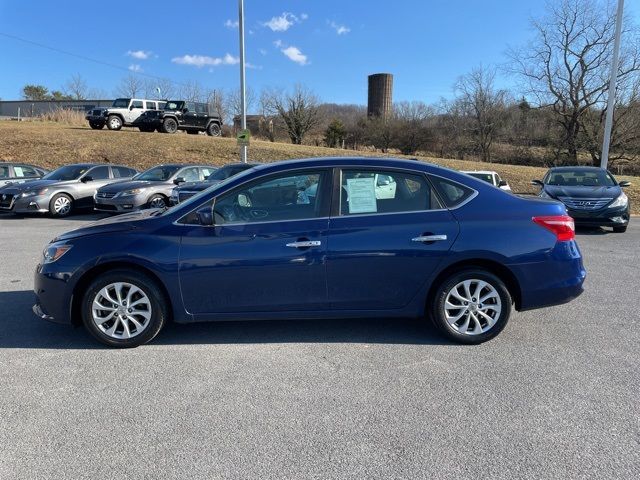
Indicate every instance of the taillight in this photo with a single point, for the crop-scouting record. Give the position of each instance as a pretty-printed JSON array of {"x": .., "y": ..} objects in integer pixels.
[{"x": 562, "y": 226}]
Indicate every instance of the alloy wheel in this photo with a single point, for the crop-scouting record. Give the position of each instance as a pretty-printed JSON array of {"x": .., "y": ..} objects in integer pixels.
[
  {"x": 121, "y": 310},
  {"x": 157, "y": 202},
  {"x": 472, "y": 307}
]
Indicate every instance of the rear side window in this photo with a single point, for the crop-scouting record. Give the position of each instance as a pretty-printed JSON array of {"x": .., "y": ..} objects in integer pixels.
[
  {"x": 207, "y": 171},
  {"x": 190, "y": 174},
  {"x": 151, "y": 105},
  {"x": 453, "y": 194},
  {"x": 377, "y": 191},
  {"x": 122, "y": 172},
  {"x": 99, "y": 173}
]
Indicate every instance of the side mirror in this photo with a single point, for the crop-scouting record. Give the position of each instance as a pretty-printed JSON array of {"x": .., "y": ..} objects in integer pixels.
[
  {"x": 131, "y": 107},
  {"x": 503, "y": 183},
  {"x": 205, "y": 216},
  {"x": 86, "y": 178},
  {"x": 178, "y": 180},
  {"x": 624, "y": 183},
  {"x": 537, "y": 182}
]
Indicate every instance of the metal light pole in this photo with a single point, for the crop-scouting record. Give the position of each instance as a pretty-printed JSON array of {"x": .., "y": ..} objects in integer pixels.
[
  {"x": 243, "y": 124},
  {"x": 611, "y": 100}
]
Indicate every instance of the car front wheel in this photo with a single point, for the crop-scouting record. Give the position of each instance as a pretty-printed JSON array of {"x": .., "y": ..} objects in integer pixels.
[
  {"x": 123, "y": 309},
  {"x": 60, "y": 205},
  {"x": 471, "y": 306},
  {"x": 114, "y": 122}
]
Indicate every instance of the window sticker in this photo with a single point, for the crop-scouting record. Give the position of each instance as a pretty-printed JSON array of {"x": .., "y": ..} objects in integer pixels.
[
  {"x": 362, "y": 195},
  {"x": 18, "y": 171}
]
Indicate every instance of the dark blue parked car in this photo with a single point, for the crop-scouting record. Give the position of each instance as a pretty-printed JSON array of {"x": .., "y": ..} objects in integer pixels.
[{"x": 317, "y": 238}]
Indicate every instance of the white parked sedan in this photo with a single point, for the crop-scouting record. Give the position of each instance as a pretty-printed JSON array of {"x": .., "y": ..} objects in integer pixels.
[{"x": 490, "y": 177}]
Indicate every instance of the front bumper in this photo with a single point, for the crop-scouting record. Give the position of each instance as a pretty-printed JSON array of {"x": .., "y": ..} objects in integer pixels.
[
  {"x": 96, "y": 119},
  {"x": 119, "y": 204},
  {"x": 33, "y": 204},
  {"x": 52, "y": 298},
  {"x": 606, "y": 217}
]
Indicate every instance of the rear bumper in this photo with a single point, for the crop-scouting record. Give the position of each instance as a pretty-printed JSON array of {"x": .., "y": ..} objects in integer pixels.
[{"x": 557, "y": 280}]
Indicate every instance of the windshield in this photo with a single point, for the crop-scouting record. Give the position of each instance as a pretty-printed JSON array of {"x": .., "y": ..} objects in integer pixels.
[
  {"x": 172, "y": 105},
  {"x": 580, "y": 178},
  {"x": 120, "y": 103},
  {"x": 157, "y": 174},
  {"x": 487, "y": 177},
  {"x": 69, "y": 172},
  {"x": 226, "y": 172}
]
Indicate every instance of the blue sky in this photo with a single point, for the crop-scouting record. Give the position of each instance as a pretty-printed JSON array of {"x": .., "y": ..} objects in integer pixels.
[{"x": 330, "y": 46}]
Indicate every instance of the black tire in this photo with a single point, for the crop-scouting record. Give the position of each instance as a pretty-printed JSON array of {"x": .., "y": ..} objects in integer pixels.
[
  {"x": 214, "y": 130},
  {"x": 60, "y": 205},
  {"x": 114, "y": 122},
  {"x": 169, "y": 125},
  {"x": 620, "y": 229},
  {"x": 154, "y": 201},
  {"x": 438, "y": 315},
  {"x": 193, "y": 132},
  {"x": 158, "y": 314},
  {"x": 96, "y": 125}
]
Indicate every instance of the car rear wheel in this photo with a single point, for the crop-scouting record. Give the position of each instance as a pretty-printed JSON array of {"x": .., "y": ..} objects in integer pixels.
[
  {"x": 60, "y": 205},
  {"x": 124, "y": 309},
  {"x": 213, "y": 130},
  {"x": 157, "y": 201},
  {"x": 620, "y": 229},
  {"x": 114, "y": 122},
  {"x": 169, "y": 126},
  {"x": 471, "y": 306}
]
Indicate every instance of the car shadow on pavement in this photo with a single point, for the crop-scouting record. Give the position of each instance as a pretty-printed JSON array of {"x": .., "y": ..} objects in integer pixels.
[
  {"x": 592, "y": 231},
  {"x": 20, "y": 328}
]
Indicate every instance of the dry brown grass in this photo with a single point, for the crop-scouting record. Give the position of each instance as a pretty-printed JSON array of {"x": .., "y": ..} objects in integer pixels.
[{"x": 51, "y": 144}]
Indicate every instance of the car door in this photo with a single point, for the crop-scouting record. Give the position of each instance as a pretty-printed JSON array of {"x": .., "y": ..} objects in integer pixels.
[
  {"x": 381, "y": 251},
  {"x": 135, "y": 110},
  {"x": 266, "y": 252},
  {"x": 91, "y": 181},
  {"x": 190, "y": 116}
]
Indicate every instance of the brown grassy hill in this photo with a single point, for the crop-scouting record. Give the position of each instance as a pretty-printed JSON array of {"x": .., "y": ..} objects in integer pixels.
[{"x": 52, "y": 144}]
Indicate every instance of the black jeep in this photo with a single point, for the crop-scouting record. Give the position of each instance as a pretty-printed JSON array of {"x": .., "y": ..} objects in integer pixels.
[{"x": 180, "y": 115}]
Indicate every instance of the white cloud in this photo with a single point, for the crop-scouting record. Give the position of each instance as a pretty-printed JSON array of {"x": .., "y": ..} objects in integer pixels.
[
  {"x": 139, "y": 54},
  {"x": 231, "y": 23},
  {"x": 340, "y": 29},
  {"x": 278, "y": 43},
  {"x": 203, "y": 60},
  {"x": 295, "y": 55},
  {"x": 262, "y": 51},
  {"x": 134, "y": 67},
  {"x": 284, "y": 21}
]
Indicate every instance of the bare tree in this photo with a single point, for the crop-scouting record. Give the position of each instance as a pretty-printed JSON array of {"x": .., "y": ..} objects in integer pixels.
[
  {"x": 192, "y": 91},
  {"x": 483, "y": 103},
  {"x": 567, "y": 65},
  {"x": 410, "y": 132},
  {"x": 234, "y": 101},
  {"x": 76, "y": 87},
  {"x": 298, "y": 110},
  {"x": 130, "y": 86},
  {"x": 165, "y": 86}
]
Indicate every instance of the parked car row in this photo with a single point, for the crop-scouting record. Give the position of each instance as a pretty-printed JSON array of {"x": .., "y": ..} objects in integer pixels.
[{"x": 166, "y": 116}]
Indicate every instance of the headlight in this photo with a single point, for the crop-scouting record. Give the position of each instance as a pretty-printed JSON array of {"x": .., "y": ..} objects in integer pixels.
[
  {"x": 33, "y": 193},
  {"x": 130, "y": 193},
  {"x": 544, "y": 194},
  {"x": 621, "y": 201},
  {"x": 54, "y": 252}
]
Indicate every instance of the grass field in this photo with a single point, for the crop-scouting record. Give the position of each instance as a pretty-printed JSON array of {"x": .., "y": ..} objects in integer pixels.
[{"x": 51, "y": 144}]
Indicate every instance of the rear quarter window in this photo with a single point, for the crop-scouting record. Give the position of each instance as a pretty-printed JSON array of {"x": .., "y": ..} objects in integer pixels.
[{"x": 453, "y": 194}]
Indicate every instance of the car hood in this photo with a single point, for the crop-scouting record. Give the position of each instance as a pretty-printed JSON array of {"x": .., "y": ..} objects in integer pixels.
[
  {"x": 117, "y": 223},
  {"x": 197, "y": 186},
  {"x": 34, "y": 184},
  {"x": 129, "y": 185},
  {"x": 557, "y": 191}
]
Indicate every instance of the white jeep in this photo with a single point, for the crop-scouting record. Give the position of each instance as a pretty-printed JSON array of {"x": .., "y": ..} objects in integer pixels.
[{"x": 125, "y": 112}]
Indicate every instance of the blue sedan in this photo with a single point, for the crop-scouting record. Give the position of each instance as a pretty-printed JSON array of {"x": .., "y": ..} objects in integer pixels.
[{"x": 315, "y": 239}]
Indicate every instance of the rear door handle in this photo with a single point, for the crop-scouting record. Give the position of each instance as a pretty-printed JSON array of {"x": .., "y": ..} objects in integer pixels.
[
  {"x": 305, "y": 244},
  {"x": 429, "y": 238}
]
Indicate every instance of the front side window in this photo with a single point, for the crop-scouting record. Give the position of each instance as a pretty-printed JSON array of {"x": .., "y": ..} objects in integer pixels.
[
  {"x": 290, "y": 196},
  {"x": 136, "y": 104},
  {"x": 99, "y": 173},
  {"x": 22, "y": 172},
  {"x": 374, "y": 191}
]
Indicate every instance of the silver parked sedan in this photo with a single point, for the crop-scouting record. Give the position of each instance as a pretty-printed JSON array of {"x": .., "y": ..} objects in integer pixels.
[
  {"x": 61, "y": 191},
  {"x": 150, "y": 189}
]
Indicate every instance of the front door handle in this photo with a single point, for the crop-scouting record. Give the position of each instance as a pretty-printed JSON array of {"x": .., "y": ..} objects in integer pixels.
[
  {"x": 429, "y": 238},
  {"x": 305, "y": 244}
]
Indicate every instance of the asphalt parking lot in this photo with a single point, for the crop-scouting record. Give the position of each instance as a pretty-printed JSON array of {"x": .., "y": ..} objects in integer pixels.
[{"x": 554, "y": 396}]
